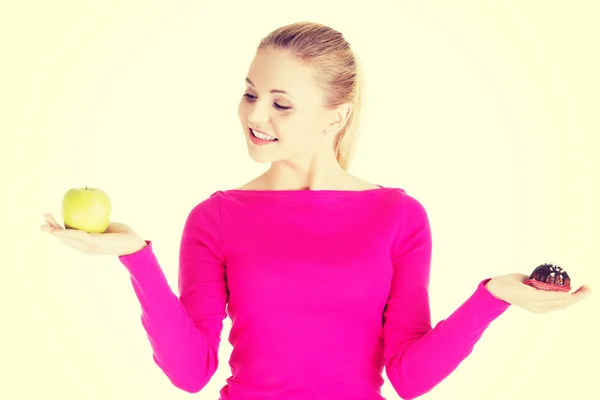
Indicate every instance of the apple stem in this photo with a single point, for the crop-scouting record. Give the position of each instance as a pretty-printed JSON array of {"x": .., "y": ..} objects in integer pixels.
[{"x": 86, "y": 188}]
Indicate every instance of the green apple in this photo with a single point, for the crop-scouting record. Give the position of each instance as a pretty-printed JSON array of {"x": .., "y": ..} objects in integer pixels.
[{"x": 86, "y": 209}]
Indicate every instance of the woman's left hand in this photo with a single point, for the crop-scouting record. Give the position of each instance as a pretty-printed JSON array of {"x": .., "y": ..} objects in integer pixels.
[{"x": 511, "y": 289}]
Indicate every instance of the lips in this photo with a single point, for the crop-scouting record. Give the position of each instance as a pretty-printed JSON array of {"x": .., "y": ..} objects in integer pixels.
[{"x": 262, "y": 133}]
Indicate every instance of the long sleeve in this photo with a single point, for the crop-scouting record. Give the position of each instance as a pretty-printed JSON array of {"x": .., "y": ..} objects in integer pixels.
[
  {"x": 417, "y": 357},
  {"x": 184, "y": 332}
]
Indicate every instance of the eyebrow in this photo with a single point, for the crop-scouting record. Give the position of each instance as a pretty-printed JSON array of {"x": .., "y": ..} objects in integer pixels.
[{"x": 272, "y": 90}]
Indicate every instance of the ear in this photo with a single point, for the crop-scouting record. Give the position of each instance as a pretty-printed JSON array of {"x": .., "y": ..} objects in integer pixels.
[{"x": 339, "y": 116}]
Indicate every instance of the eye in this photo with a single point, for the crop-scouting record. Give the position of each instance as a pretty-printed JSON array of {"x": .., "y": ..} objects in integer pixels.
[{"x": 277, "y": 106}]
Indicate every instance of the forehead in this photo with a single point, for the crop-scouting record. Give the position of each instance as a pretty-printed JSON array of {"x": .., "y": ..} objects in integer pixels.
[{"x": 276, "y": 69}]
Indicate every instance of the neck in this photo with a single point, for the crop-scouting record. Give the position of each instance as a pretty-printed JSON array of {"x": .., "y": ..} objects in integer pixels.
[{"x": 312, "y": 174}]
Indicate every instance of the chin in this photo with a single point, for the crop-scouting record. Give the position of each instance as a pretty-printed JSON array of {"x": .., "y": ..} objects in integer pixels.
[
  {"x": 260, "y": 158},
  {"x": 260, "y": 154}
]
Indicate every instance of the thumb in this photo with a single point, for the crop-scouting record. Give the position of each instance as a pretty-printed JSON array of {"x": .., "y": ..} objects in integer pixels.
[
  {"x": 118, "y": 227},
  {"x": 582, "y": 291},
  {"x": 514, "y": 277}
]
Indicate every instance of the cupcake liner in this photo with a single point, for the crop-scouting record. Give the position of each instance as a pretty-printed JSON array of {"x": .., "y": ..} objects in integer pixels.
[{"x": 547, "y": 286}]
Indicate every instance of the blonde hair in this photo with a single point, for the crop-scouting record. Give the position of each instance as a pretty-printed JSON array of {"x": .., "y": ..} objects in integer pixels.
[{"x": 337, "y": 69}]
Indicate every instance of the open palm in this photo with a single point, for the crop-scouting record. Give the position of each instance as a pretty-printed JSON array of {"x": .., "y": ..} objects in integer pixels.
[
  {"x": 118, "y": 239},
  {"x": 510, "y": 288}
]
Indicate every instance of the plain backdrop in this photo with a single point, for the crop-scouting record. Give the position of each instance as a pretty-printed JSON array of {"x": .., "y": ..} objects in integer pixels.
[{"x": 485, "y": 111}]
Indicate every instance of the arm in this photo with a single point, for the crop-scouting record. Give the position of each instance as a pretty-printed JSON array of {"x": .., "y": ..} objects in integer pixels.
[
  {"x": 184, "y": 332},
  {"x": 417, "y": 357}
]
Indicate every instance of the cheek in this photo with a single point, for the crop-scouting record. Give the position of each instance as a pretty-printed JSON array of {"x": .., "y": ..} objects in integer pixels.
[
  {"x": 287, "y": 126},
  {"x": 298, "y": 129}
]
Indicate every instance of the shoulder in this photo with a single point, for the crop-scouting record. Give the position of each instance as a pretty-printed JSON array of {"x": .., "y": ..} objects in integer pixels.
[
  {"x": 413, "y": 229},
  {"x": 412, "y": 208},
  {"x": 406, "y": 209},
  {"x": 403, "y": 198},
  {"x": 206, "y": 211}
]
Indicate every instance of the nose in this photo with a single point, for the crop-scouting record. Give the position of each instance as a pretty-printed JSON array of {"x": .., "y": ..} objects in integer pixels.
[{"x": 258, "y": 113}]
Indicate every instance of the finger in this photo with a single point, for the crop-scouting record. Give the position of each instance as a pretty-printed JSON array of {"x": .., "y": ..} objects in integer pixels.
[
  {"x": 76, "y": 239},
  {"x": 540, "y": 295},
  {"x": 50, "y": 219},
  {"x": 113, "y": 227},
  {"x": 519, "y": 276},
  {"x": 563, "y": 303},
  {"x": 71, "y": 234},
  {"x": 118, "y": 227},
  {"x": 582, "y": 292},
  {"x": 96, "y": 243},
  {"x": 583, "y": 289},
  {"x": 47, "y": 228},
  {"x": 541, "y": 308}
]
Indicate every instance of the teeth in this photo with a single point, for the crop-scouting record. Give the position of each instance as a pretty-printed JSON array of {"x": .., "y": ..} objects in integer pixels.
[{"x": 261, "y": 136}]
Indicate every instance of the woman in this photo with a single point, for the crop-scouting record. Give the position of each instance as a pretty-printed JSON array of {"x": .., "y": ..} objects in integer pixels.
[{"x": 324, "y": 275}]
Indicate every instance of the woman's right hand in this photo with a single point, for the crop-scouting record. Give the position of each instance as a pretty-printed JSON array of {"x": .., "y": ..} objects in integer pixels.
[{"x": 118, "y": 239}]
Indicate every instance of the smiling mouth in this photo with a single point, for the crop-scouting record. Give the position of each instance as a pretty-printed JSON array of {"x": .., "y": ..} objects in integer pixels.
[{"x": 261, "y": 136}]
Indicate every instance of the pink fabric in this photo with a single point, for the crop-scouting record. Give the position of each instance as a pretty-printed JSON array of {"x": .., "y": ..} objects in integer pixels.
[{"x": 325, "y": 289}]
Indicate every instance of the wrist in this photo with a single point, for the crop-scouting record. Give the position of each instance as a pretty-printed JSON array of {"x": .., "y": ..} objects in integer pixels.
[
  {"x": 492, "y": 288},
  {"x": 139, "y": 245}
]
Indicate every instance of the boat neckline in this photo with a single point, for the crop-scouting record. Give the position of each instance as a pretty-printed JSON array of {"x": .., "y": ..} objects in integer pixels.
[{"x": 305, "y": 191}]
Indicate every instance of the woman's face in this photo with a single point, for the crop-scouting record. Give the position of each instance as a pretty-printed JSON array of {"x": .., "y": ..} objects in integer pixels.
[{"x": 282, "y": 101}]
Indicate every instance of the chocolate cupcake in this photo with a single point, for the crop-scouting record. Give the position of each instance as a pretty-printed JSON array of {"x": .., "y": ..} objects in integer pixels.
[{"x": 549, "y": 277}]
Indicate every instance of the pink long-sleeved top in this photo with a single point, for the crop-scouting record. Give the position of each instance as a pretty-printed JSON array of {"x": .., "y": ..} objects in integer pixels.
[{"x": 324, "y": 289}]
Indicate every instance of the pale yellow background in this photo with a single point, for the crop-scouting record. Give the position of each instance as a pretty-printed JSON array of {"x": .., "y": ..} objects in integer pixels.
[{"x": 487, "y": 112}]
